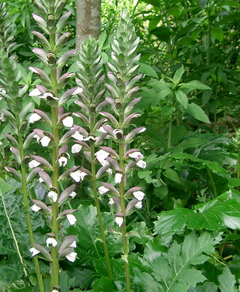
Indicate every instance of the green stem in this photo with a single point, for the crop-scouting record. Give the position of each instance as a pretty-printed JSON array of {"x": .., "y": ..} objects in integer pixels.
[
  {"x": 122, "y": 202},
  {"x": 26, "y": 205},
  {"x": 213, "y": 184},
  {"x": 208, "y": 34},
  {"x": 93, "y": 170},
  {"x": 170, "y": 133}
]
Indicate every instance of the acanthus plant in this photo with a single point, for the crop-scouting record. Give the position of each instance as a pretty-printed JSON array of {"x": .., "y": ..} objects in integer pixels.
[
  {"x": 57, "y": 129},
  {"x": 60, "y": 130},
  {"x": 120, "y": 129}
]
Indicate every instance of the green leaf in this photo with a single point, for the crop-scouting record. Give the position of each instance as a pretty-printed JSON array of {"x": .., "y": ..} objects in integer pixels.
[
  {"x": 163, "y": 33},
  {"x": 178, "y": 75},
  {"x": 10, "y": 271},
  {"x": 4, "y": 187},
  {"x": 145, "y": 281},
  {"x": 217, "y": 32},
  {"x": 171, "y": 174},
  {"x": 197, "y": 112},
  {"x": 193, "y": 85},
  {"x": 182, "y": 98},
  {"x": 227, "y": 281},
  {"x": 173, "y": 269},
  {"x": 104, "y": 284},
  {"x": 147, "y": 70}
]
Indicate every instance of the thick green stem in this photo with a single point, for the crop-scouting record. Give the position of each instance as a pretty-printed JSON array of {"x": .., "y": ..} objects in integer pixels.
[
  {"x": 93, "y": 170},
  {"x": 26, "y": 205},
  {"x": 55, "y": 175},
  {"x": 123, "y": 207}
]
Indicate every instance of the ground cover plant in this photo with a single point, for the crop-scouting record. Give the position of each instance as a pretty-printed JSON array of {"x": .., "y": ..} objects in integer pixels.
[{"x": 118, "y": 168}]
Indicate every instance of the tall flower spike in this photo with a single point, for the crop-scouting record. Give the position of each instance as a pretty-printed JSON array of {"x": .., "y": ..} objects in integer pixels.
[
  {"x": 121, "y": 87},
  {"x": 90, "y": 101}
]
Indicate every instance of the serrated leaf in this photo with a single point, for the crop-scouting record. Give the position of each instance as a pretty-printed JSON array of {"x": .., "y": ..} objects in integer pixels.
[
  {"x": 4, "y": 187},
  {"x": 173, "y": 270},
  {"x": 227, "y": 281},
  {"x": 197, "y": 112},
  {"x": 182, "y": 98},
  {"x": 146, "y": 281},
  {"x": 104, "y": 284}
]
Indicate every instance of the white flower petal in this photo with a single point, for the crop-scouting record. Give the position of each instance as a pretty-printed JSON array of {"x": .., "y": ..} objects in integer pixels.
[
  {"x": 34, "y": 118},
  {"x": 139, "y": 205},
  {"x": 77, "y": 136},
  {"x": 76, "y": 148},
  {"x": 71, "y": 219},
  {"x": 78, "y": 175},
  {"x": 68, "y": 122},
  {"x": 53, "y": 195},
  {"x": 102, "y": 190},
  {"x": 45, "y": 141},
  {"x": 33, "y": 164},
  {"x": 51, "y": 241},
  {"x": 136, "y": 155},
  {"x": 73, "y": 195},
  {"x": 34, "y": 251},
  {"x": 62, "y": 161},
  {"x": 101, "y": 156},
  {"x": 74, "y": 244},
  {"x": 35, "y": 92},
  {"x": 71, "y": 256},
  {"x": 37, "y": 137},
  {"x": 139, "y": 195},
  {"x": 119, "y": 220},
  {"x": 118, "y": 178},
  {"x": 78, "y": 90},
  {"x": 141, "y": 164},
  {"x": 111, "y": 202},
  {"x": 35, "y": 208}
]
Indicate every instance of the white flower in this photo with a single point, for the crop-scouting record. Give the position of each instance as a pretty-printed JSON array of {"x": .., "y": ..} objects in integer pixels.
[
  {"x": 34, "y": 118},
  {"x": 62, "y": 161},
  {"x": 51, "y": 241},
  {"x": 90, "y": 138},
  {"x": 111, "y": 201},
  {"x": 139, "y": 205},
  {"x": 78, "y": 90},
  {"x": 53, "y": 195},
  {"x": 101, "y": 156},
  {"x": 41, "y": 180},
  {"x": 45, "y": 141},
  {"x": 118, "y": 178},
  {"x": 119, "y": 221},
  {"x": 102, "y": 130},
  {"x": 74, "y": 244},
  {"x": 33, "y": 164},
  {"x": 35, "y": 92},
  {"x": 102, "y": 190},
  {"x": 71, "y": 256},
  {"x": 55, "y": 290},
  {"x": 141, "y": 164},
  {"x": 78, "y": 175},
  {"x": 68, "y": 122},
  {"x": 35, "y": 208},
  {"x": 139, "y": 195},
  {"x": 71, "y": 219},
  {"x": 77, "y": 136},
  {"x": 73, "y": 195},
  {"x": 76, "y": 148},
  {"x": 37, "y": 137},
  {"x": 136, "y": 155},
  {"x": 34, "y": 251},
  {"x": 109, "y": 171}
]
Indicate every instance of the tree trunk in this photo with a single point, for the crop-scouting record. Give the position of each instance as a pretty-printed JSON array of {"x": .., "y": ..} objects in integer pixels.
[{"x": 88, "y": 20}]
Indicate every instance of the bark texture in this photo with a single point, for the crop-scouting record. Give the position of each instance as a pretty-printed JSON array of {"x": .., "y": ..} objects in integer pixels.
[{"x": 88, "y": 20}]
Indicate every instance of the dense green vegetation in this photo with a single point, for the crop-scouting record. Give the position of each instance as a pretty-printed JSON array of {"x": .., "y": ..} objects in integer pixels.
[{"x": 128, "y": 182}]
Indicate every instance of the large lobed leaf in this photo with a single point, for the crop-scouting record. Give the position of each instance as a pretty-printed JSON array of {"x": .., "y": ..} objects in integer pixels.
[{"x": 210, "y": 216}]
